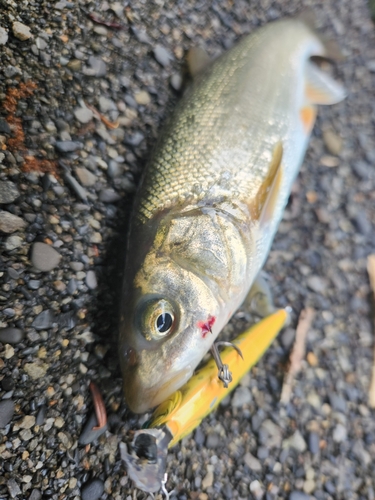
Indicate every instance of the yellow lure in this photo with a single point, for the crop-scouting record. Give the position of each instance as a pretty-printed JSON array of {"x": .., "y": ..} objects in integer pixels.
[{"x": 184, "y": 410}]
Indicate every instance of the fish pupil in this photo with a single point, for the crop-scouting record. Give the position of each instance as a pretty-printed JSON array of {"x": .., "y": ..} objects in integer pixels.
[{"x": 164, "y": 322}]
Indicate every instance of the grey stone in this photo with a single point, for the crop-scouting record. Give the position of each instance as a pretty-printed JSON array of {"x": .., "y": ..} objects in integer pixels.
[
  {"x": 339, "y": 433},
  {"x": 76, "y": 266},
  {"x": 8, "y": 192},
  {"x": 299, "y": 495},
  {"x": 295, "y": 441},
  {"x": 21, "y": 31},
  {"x": 252, "y": 462},
  {"x": 35, "y": 495},
  {"x": 313, "y": 443},
  {"x": 135, "y": 139},
  {"x": 106, "y": 104},
  {"x": 6, "y": 412},
  {"x": 33, "y": 284},
  {"x": 41, "y": 43},
  {"x": 83, "y": 115},
  {"x": 3, "y": 36},
  {"x": 92, "y": 490},
  {"x": 10, "y": 335},
  {"x": 242, "y": 396},
  {"x": 109, "y": 195},
  {"x": 213, "y": 440},
  {"x": 85, "y": 177},
  {"x": 68, "y": 146},
  {"x": 13, "y": 242},
  {"x": 91, "y": 281},
  {"x": 97, "y": 67},
  {"x": 317, "y": 284},
  {"x": 162, "y": 55},
  {"x": 4, "y": 127},
  {"x": 44, "y": 320},
  {"x": 10, "y": 223},
  {"x": 44, "y": 257},
  {"x": 89, "y": 434},
  {"x": 176, "y": 81}
]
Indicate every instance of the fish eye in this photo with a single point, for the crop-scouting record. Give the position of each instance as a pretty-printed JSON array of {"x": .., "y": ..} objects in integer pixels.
[{"x": 157, "y": 319}]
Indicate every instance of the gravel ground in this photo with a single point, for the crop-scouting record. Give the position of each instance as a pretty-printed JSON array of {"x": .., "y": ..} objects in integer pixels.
[{"x": 66, "y": 184}]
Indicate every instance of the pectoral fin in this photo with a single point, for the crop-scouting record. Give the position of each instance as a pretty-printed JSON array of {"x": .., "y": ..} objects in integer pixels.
[
  {"x": 321, "y": 88},
  {"x": 265, "y": 202}
]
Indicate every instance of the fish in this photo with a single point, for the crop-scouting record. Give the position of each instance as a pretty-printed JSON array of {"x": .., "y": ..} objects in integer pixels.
[{"x": 210, "y": 202}]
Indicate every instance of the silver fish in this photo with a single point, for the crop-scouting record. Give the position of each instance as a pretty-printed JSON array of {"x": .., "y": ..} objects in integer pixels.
[{"x": 211, "y": 200}]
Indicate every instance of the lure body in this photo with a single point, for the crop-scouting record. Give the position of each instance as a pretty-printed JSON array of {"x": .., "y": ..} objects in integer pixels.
[{"x": 211, "y": 200}]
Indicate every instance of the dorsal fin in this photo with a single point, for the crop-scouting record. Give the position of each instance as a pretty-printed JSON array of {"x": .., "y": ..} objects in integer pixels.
[{"x": 321, "y": 88}]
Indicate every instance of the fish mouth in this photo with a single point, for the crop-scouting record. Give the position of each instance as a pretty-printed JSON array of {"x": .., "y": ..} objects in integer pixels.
[{"x": 141, "y": 399}]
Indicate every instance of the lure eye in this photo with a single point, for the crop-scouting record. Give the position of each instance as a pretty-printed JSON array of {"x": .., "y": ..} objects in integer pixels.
[{"x": 157, "y": 319}]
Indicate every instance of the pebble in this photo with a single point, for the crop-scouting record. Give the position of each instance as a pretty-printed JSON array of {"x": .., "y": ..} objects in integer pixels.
[
  {"x": 106, "y": 104},
  {"x": 13, "y": 488},
  {"x": 332, "y": 142},
  {"x": 89, "y": 434},
  {"x": 7, "y": 384},
  {"x": 176, "y": 81},
  {"x": 317, "y": 284},
  {"x": 3, "y": 36},
  {"x": 295, "y": 441},
  {"x": 6, "y": 412},
  {"x": 339, "y": 433},
  {"x": 313, "y": 443},
  {"x": 35, "y": 495},
  {"x": 78, "y": 189},
  {"x": 44, "y": 320},
  {"x": 68, "y": 146},
  {"x": 21, "y": 31},
  {"x": 10, "y": 335},
  {"x": 92, "y": 490},
  {"x": 4, "y": 127},
  {"x": 242, "y": 396},
  {"x": 162, "y": 55},
  {"x": 213, "y": 440},
  {"x": 91, "y": 280},
  {"x": 252, "y": 462},
  {"x": 83, "y": 115},
  {"x": 76, "y": 266},
  {"x": 142, "y": 98},
  {"x": 135, "y": 139},
  {"x": 36, "y": 370},
  {"x": 44, "y": 257},
  {"x": 208, "y": 479},
  {"x": 85, "y": 177},
  {"x": 298, "y": 495},
  {"x": 97, "y": 67},
  {"x": 10, "y": 223},
  {"x": 13, "y": 242},
  {"x": 109, "y": 195},
  {"x": 8, "y": 192}
]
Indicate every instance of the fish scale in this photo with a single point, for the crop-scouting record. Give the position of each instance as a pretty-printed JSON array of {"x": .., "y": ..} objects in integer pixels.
[{"x": 211, "y": 200}]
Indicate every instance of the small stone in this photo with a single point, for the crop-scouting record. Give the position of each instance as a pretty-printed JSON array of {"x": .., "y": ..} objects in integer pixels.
[
  {"x": 309, "y": 486},
  {"x": 91, "y": 280},
  {"x": 89, "y": 433},
  {"x": 135, "y": 139},
  {"x": 162, "y": 55},
  {"x": 6, "y": 412},
  {"x": 176, "y": 81},
  {"x": 13, "y": 488},
  {"x": 83, "y": 115},
  {"x": 242, "y": 396},
  {"x": 339, "y": 433},
  {"x": 10, "y": 223},
  {"x": 109, "y": 195},
  {"x": 76, "y": 266},
  {"x": 252, "y": 462},
  {"x": 208, "y": 480},
  {"x": 4, "y": 127},
  {"x": 8, "y": 192},
  {"x": 68, "y": 146},
  {"x": 106, "y": 104},
  {"x": 256, "y": 489},
  {"x": 92, "y": 490},
  {"x": 27, "y": 422},
  {"x": 44, "y": 320},
  {"x": 298, "y": 495},
  {"x": 313, "y": 443},
  {"x": 44, "y": 257},
  {"x": 36, "y": 370},
  {"x": 11, "y": 335},
  {"x": 317, "y": 284},
  {"x": 21, "y": 31},
  {"x": 86, "y": 177},
  {"x": 35, "y": 495},
  {"x": 332, "y": 142},
  {"x": 213, "y": 440},
  {"x": 295, "y": 441},
  {"x": 142, "y": 98},
  {"x": 13, "y": 242},
  {"x": 3, "y": 36},
  {"x": 97, "y": 67}
]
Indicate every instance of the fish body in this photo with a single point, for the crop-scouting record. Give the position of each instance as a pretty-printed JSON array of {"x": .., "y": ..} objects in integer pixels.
[{"x": 211, "y": 200}]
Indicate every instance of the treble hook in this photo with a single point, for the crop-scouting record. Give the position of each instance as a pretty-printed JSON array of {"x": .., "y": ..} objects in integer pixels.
[{"x": 224, "y": 374}]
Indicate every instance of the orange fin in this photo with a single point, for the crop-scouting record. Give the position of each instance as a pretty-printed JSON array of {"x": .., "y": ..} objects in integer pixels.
[
  {"x": 265, "y": 201},
  {"x": 321, "y": 88},
  {"x": 308, "y": 115}
]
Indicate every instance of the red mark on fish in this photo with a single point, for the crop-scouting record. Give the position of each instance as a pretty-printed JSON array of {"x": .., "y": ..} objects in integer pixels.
[{"x": 206, "y": 326}]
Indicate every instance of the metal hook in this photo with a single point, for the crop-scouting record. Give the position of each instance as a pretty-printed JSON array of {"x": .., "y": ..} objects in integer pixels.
[
  {"x": 224, "y": 374},
  {"x": 163, "y": 488}
]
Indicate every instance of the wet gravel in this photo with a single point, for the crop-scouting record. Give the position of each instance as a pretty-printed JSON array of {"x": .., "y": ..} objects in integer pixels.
[{"x": 67, "y": 177}]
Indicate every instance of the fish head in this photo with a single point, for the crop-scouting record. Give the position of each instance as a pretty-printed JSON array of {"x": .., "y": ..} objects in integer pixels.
[{"x": 169, "y": 321}]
